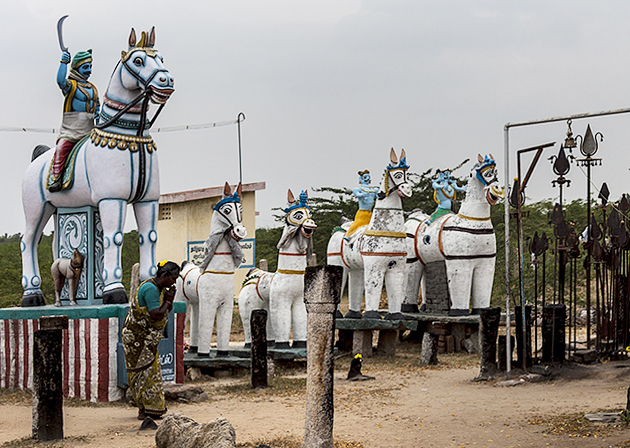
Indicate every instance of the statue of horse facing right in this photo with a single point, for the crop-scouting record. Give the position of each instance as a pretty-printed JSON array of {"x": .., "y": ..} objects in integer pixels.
[{"x": 114, "y": 166}]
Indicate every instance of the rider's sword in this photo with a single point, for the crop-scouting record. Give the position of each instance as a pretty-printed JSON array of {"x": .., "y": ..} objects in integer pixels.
[{"x": 60, "y": 34}]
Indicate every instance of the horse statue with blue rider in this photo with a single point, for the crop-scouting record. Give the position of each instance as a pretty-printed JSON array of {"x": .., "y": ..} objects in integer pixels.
[
  {"x": 209, "y": 287},
  {"x": 281, "y": 293},
  {"x": 377, "y": 253},
  {"x": 113, "y": 165},
  {"x": 464, "y": 241}
]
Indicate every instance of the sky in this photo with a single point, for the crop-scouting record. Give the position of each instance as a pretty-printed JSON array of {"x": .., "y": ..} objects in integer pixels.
[{"x": 328, "y": 87}]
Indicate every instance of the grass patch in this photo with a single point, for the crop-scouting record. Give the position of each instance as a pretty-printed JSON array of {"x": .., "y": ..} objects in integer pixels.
[
  {"x": 278, "y": 387},
  {"x": 29, "y": 442}
]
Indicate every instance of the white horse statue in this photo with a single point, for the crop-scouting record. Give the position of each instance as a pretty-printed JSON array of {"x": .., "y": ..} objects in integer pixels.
[
  {"x": 465, "y": 241},
  {"x": 282, "y": 293},
  {"x": 209, "y": 288},
  {"x": 376, "y": 253},
  {"x": 115, "y": 165}
]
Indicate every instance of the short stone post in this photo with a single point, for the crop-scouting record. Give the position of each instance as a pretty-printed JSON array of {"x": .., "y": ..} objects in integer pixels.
[
  {"x": 322, "y": 291},
  {"x": 259, "y": 348},
  {"x": 488, "y": 330},
  {"x": 47, "y": 378},
  {"x": 553, "y": 333},
  {"x": 429, "y": 354},
  {"x": 262, "y": 264}
]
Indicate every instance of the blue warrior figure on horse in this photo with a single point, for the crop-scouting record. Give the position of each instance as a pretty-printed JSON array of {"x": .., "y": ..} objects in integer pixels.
[
  {"x": 80, "y": 110},
  {"x": 367, "y": 197},
  {"x": 445, "y": 192}
]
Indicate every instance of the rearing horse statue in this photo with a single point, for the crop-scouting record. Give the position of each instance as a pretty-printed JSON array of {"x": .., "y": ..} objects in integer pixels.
[
  {"x": 377, "y": 253},
  {"x": 114, "y": 166}
]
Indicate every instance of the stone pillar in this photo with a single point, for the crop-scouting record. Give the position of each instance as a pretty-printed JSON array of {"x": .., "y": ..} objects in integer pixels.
[
  {"x": 488, "y": 330},
  {"x": 259, "y": 348},
  {"x": 428, "y": 356},
  {"x": 438, "y": 298},
  {"x": 322, "y": 291},
  {"x": 47, "y": 378},
  {"x": 262, "y": 264},
  {"x": 523, "y": 347},
  {"x": 553, "y": 333}
]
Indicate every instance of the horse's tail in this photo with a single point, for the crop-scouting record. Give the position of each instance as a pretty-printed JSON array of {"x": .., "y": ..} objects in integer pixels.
[{"x": 38, "y": 151}]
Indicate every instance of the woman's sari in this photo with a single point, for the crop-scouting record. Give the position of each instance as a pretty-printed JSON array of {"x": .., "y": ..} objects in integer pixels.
[{"x": 141, "y": 336}]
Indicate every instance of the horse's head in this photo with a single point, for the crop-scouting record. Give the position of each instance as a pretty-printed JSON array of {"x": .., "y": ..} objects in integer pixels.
[
  {"x": 144, "y": 68},
  {"x": 230, "y": 212},
  {"x": 486, "y": 173},
  {"x": 299, "y": 214},
  {"x": 395, "y": 178}
]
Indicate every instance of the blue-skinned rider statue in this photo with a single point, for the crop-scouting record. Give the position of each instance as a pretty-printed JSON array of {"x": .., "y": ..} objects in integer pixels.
[
  {"x": 367, "y": 197},
  {"x": 80, "y": 109},
  {"x": 445, "y": 192}
]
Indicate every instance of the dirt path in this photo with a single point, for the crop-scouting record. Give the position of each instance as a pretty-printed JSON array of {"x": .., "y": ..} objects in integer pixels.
[{"x": 405, "y": 406}]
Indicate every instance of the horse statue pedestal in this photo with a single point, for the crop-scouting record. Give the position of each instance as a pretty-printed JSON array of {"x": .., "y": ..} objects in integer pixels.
[{"x": 80, "y": 228}]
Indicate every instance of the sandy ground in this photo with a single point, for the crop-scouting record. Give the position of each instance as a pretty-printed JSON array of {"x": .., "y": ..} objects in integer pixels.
[{"x": 405, "y": 406}]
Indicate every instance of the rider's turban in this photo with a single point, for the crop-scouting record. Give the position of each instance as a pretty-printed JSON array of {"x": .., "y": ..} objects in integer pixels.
[{"x": 81, "y": 58}]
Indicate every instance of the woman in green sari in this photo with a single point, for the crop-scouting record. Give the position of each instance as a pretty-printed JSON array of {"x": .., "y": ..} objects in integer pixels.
[{"x": 141, "y": 335}]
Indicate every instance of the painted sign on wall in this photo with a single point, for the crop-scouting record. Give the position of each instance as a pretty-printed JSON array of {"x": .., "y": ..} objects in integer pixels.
[{"x": 196, "y": 252}]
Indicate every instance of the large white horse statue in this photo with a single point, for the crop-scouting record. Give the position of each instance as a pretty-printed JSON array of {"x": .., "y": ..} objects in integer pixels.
[
  {"x": 377, "y": 253},
  {"x": 115, "y": 165},
  {"x": 209, "y": 288},
  {"x": 282, "y": 293},
  {"x": 465, "y": 241}
]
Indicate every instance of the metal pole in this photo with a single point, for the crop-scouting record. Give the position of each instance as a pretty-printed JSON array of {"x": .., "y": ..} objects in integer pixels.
[
  {"x": 508, "y": 316},
  {"x": 240, "y": 162}
]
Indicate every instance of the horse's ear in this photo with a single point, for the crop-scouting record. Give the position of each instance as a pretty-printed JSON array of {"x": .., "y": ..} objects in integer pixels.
[
  {"x": 290, "y": 197},
  {"x": 239, "y": 190},
  {"x": 306, "y": 193},
  {"x": 132, "y": 38},
  {"x": 392, "y": 156},
  {"x": 402, "y": 154},
  {"x": 152, "y": 37},
  {"x": 479, "y": 158},
  {"x": 491, "y": 156},
  {"x": 227, "y": 191}
]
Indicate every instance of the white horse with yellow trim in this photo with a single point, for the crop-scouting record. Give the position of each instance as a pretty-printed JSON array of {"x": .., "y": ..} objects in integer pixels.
[
  {"x": 209, "y": 288},
  {"x": 282, "y": 293},
  {"x": 376, "y": 253},
  {"x": 465, "y": 241}
]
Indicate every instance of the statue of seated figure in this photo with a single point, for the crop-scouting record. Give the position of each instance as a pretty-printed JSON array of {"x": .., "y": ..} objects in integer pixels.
[
  {"x": 367, "y": 197},
  {"x": 445, "y": 192}
]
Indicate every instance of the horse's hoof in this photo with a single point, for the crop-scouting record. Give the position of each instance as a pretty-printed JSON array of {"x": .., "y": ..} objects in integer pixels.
[
  {"x": 409, "y": 308},
  {"x": 299, "y": 344},
  {"x": 281, "y": 345},
  {"x": 192, "y": 349},
  {"x": 223, "y": 353},
  {"x": 57, "y": 303},
  {"x": 35, "y": 299},
  {"x": 73, "y": 303},
  {"x": 354, "y": 315},
  {"x": 394, "y": 316},
  {"x": 203, "y": 355},
  {"x": 115, "y": 296},
  {"x": 372, "y": 315},
  {"x": 270, "y": 343},
  {"x": 458, "y": 312},
  {"x": 248, "y": 345},
  {"x": 338, "y": 315}
]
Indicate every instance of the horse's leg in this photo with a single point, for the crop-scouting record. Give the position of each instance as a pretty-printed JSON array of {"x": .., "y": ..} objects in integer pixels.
[
  {"x": 245, "y": 307},
  {"x": 459, "y": 274},
  {"x": 280, "y": 309},
  {"x": 113, "y": 213},
  {"x": 224, "y": 324},
  {"x": 395, "y": 285},
  {"x": 355, "y": 293},
  {"x": 193, "y": 309},
  {"x": 208, "y": 304},
  {"x": 482, "y": 281},
  {"x": 36, "y": 215},
  {"x": 413, "y": 271},
  {"x": 374, "y": 271},
  {"x": 146, "y": 218},
  {"x": 299, "y": 319}
]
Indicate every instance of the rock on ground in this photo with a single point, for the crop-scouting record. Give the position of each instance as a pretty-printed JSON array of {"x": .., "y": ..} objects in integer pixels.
[{"x": 179, "y": 431}]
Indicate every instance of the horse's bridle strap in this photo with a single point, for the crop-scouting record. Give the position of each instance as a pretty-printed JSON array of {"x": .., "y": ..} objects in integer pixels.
[
  {"x": 385, "y": 233},
  {"x": 473, "y": 218},
  {"x": 218, "y": 272}
]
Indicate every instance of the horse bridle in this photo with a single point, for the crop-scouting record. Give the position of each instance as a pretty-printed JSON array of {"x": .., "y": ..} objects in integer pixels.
[
  {"x": 227, "y": 218},
  {"x": 383, "y": 194}
]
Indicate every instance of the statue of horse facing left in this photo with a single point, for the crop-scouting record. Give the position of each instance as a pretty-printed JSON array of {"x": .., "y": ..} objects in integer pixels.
[{"x": 114, "y": 166}]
